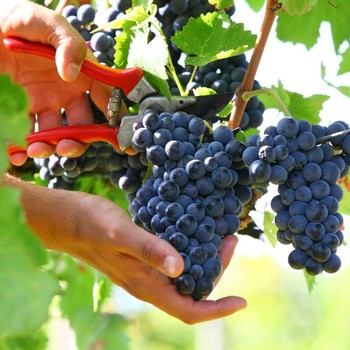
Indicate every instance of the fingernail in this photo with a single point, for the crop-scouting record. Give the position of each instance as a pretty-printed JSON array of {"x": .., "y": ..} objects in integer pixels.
[
  {"x": 169, "y": 265},
  {"x": 72, "y": 71}
]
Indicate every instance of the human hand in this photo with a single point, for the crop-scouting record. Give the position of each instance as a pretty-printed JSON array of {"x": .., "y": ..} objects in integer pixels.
[
  {"x": 50, "y": 85},
  {"x": 141, "y": 263},
  {"x": 97, "y": 231}
]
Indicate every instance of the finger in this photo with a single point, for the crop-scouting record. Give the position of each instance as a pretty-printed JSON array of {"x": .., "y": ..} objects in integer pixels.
[
  {"x": 229, "y": 244},
  {"x": 79, "y": 111},
  {"x": 49, "y": 28},
  {"x": 40, "y": 150},
  {"x": 18, "y": 158},
  {"x": 100, "y": 94},
  {"x": 191, "y": 311},
  {"x": 46, "y": 120},
  {"x": 148, "y": 248},
  {"x": 70, "y": 49},
  {"x": 49, "y": 119},
  {"x": 71, "y": 148}
]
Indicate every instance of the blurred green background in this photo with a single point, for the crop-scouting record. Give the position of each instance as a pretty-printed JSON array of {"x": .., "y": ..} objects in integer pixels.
[{"x": 281, "y": 313}]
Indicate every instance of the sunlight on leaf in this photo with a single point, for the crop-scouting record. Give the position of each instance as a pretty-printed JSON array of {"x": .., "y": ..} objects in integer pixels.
[
  {"x": 310, "y": 281},
  {"x": 199, "y": 36},
  {"x": 299, "y": 106},
  {"x": 345, "y": 90},
  {"x": 270, "y": 229},
  {"x": 297, "y": 7},
  {"x": 221, "y": 4}
]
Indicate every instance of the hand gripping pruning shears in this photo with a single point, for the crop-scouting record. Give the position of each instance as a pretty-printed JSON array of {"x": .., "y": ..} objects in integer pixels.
[{"x": 135, "y": 87}]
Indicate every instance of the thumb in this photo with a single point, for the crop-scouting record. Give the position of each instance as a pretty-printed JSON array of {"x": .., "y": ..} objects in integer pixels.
[
  {"x": 37, "y": 23},
  {"x": 156, "y": 252},
  {"x": 70, "y": 53}
]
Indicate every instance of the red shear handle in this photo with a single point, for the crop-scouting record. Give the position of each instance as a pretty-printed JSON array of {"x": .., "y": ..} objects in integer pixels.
[
  {"x": 81, "y": 133},
  {"x": 125, "y": 79}
]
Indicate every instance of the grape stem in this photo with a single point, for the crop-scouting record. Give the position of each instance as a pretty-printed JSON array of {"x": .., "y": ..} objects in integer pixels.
[
  {"x": 330, "y": 136},
  {"x": 271, "y": 10},
  {"x": 271, "y": 92},
  {"x": 61, "y": 5}
]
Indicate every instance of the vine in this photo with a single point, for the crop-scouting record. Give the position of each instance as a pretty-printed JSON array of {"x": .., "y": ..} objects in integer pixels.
[{"x": 271, "y": 10}]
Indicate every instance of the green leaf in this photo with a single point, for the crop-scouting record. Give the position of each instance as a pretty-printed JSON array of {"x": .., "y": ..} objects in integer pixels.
[
  {"x": 14, "y": 111},
  {"x": 256, "y": 5},
  {"x": 36, "y": 340},
  {"x": 144, "y": 3},
  {"x": 270, "y": 228},
  {"x": 297, "y": 7},
  {"x": 345, "y": 90},
  {"x": 221, "y": 4},
  {"x": 161, "y": 85},
  {"x": 345, "y": 202},
  {"x": 20, "y": 277},
  {"x": 199, "y": 38},
  {"x": 142, "y": 53},
  {"x": 122, "y": 47},
  {"x": 310, "y": 281},
  {"x": 299, "y": 106},
  {"x": 100, "y": 330},
  {"x": 306, "y": 27},
  {"x": 137, "y": 16},
  {"x": 92, "y": 327},
  {"x": 203, "y": 91},
  {"x": 344, "y": 66}
]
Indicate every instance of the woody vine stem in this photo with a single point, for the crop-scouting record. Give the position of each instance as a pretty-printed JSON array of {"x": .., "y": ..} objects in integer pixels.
[{"x": 271, "y": 10}]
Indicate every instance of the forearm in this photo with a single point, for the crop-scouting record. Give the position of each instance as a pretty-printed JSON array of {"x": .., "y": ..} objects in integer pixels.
[{"x": 50, "y": 214}]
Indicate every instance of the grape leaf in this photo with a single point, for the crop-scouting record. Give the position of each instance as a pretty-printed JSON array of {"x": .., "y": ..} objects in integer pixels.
[
  {"x": 310, "y": 281},
  {"x": 199, "y": 38},
  {"x": 100, "y": 330},
  {"x": 299, "y": 106},
  {"x": 221, "y": 4},
  {"x": 14, "y": 111},
  {"x": 142, "y": 53},
  {"x": 139, "y": 16},
  {"x": 344, "y": 66},
  {"x": 344, "y": 203},
  {"x": 270, "y": 229},
  {"x": 297, "y": 7},
  {"x": 144, "y": 3},
  {"x": 306, "y": 27},
  {"x": 20, "y": 276},
  {"x": 256, "y": 5},
  {"x": 345, "y": 90},
  {"x": 92, "y": 328},
  {"x": 37, "y": 340},
  {"x": 122, "y": 47}
]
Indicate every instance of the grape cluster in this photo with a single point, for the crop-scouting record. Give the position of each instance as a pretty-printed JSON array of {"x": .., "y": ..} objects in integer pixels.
[
  {"x": 306, "y": 172},
  {"x": 193, "y": 196},
  {"x": 124, "y": 171}
]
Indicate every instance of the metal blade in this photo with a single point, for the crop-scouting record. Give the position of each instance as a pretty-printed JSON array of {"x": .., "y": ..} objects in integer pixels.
[{"x": 206, "y": 107}]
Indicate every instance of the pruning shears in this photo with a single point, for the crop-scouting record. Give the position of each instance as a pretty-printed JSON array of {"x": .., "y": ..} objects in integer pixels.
[{"x": 133, "y": 84}]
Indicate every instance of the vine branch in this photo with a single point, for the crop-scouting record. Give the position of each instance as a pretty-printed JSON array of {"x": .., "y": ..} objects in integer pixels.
[{"x": 272, "y": 8}]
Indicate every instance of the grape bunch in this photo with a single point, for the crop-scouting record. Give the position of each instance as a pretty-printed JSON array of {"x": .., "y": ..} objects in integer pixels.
[
  {"x": 193, "y": 196},
  {"x": 124, "y": 171},
  {"x": 306, "y": 162}
]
